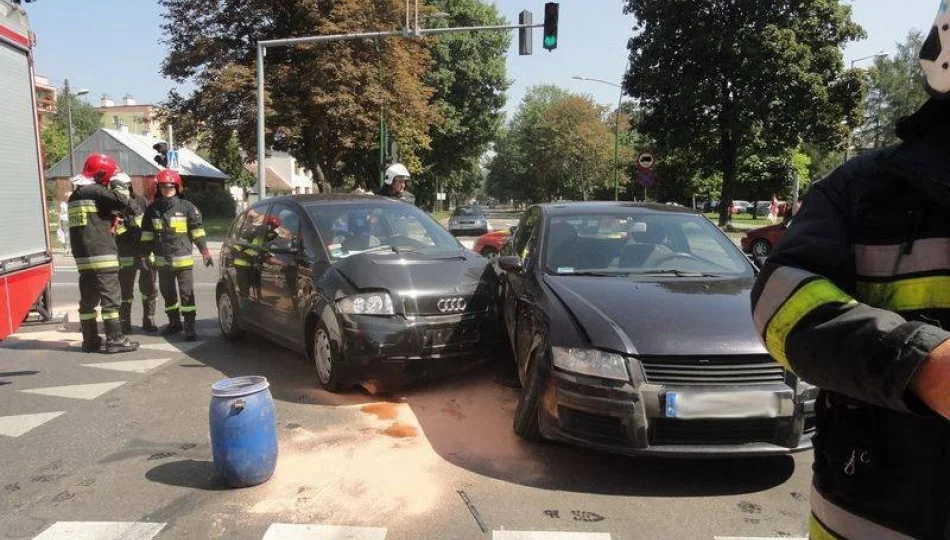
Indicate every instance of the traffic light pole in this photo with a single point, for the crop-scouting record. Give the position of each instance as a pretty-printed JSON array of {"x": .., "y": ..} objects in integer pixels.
[{"x": 263, "y": 45}]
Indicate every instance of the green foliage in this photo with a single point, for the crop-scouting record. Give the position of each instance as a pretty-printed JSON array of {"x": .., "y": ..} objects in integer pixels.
[
  {"x": 894, "y": 91},
  {"x": 86, "y": 120},
  {"x": 230, "y": 161},
  {"x": 55, "y": 144},
  {"x": 721, "y": 80},
  {"x": 213, "y": 204}
]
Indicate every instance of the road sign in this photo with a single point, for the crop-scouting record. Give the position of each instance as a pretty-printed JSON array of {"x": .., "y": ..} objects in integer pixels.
[
  {"x": 646, "y": 178},
  {"x": 646, "y": 160},
  {"x": 173, "y": 159}
]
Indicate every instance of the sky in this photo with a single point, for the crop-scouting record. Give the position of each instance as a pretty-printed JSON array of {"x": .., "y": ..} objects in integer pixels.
[{"x": 114, "y": 46}]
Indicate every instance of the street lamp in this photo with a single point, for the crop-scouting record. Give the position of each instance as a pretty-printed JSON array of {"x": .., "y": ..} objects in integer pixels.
[
  {"x": 69, "y": 123},
  {"x": 616, "y": 132},
  {"x": 879, "y": 56}
]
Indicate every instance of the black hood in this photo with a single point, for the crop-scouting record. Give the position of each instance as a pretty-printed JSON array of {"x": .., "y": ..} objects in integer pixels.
[
  {"x": 412, "y": 275},
  {"x": 662, "y": 317}
]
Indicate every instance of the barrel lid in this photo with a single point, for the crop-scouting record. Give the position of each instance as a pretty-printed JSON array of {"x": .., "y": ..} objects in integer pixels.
[{"x": 239, "y": 386}]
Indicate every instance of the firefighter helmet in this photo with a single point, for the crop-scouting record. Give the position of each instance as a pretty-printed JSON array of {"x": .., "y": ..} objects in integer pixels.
[
  {"x": 169, "y": 176},
  {"x": 100, "y": 168},
  {"x": 935, "y": 55},
  {"x": 396, "y": 170}
]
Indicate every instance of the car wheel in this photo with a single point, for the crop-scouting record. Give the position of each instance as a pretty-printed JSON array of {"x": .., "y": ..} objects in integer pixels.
[
  {"x": 761, "y": 247},
  {"x": 325, "y": 359},
  {"x": 526, "y": 423},
  {"x": 490, "y": 253},
  {"x": 228, "y": 316}
]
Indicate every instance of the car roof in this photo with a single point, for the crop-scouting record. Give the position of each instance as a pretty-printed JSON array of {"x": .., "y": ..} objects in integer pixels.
[
  {"x": 327, "y": 198},
  {"x": 598, "y": 207}
]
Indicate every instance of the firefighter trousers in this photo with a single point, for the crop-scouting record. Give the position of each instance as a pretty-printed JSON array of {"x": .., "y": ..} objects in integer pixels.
[
  {"x": 99, "y": 288},
  {"x": 177, "y": 284},
  {"x": 146, "y": 284}
]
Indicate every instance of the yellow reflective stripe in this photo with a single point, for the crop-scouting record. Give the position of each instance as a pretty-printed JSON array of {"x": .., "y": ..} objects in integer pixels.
[
  {"x": 148, "y": 236},
  {"x": 126, "y": 262},
  {"x": 907, "y": 294},
  {"x": 109, "y": 315},
  {"x": 241, "y": 262},
  {"x": 197, "y": 233},
  {"x": 127, "y": 300},
  {"x": 82, "y": 203},
  {"x": 189, "y": 309},
  {"x": 157, "y": 224},
  {"x": 183, "y": 262},
  {"x": 179, "y": 225},
  {"x": 817, "y": 531},
  {"x": 250, "y": 251},
  {"x": 120, "y": 230},
  {"x": 780, "y": 285},
  {"x": 87, "y": 316},
  {"x": 97, "y": 263},
  {"x": 173, "y": 307},
  {"x": 138, "y": 221},
  {"x": 809, "y": 297},
  {"x": 829, "y": 521}
]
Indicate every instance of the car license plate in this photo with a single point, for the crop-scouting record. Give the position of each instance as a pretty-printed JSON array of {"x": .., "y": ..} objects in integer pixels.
[{"x": 744, "y": 404}]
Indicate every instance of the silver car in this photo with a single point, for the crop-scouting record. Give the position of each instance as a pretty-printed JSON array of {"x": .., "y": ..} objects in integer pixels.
[{"x": 469, "y": 220}]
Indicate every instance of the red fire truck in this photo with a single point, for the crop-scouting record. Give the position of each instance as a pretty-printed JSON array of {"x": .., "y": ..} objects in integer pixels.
[{"x": 26, "y": 262}]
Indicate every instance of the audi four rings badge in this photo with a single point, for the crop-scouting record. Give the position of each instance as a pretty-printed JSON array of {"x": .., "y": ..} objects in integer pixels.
[{"x": 447, "y": 305}]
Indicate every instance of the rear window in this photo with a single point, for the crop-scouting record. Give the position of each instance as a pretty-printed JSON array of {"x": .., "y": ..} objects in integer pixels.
[{"x": 468, "y": 211}]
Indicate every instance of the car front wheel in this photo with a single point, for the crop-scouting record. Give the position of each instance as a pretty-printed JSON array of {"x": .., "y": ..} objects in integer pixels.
[
  {"x": 228, "y": 316},
  {"x": 761, "y": 247},
  {"x": 526, "y": 423},
  {"x": 325, "y": 359}
]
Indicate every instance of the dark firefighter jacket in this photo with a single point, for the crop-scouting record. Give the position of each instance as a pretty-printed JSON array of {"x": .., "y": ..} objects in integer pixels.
[
  {"x": 128, "y": 233},
  {"x": 91, "y": 207},
  {"x": 168, "y": 230},
  {"x": 404, "y": 196},
  {"x": 853, "y": 299}
]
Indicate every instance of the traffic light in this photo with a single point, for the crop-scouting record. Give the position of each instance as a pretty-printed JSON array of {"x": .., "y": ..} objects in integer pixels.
[
  {"x": 525, "y": 18},
  {"x": 550, "y": 26},
  {"x": 162, "y": 157}
]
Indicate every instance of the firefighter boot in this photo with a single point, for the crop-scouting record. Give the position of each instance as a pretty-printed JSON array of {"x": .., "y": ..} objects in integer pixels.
[
  {"x": 116, "y": 341},
  {"x": 190, "y": 334},
  {"x": 148, "y": 315},
  {"x": 174, "y": 324},
  {"x": 125, "y": 315},
  {"x": 91, "y": 342}
]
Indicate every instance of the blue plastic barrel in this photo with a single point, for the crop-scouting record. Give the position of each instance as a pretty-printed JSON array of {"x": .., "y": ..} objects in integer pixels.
[{"x": 243, "y": 431}]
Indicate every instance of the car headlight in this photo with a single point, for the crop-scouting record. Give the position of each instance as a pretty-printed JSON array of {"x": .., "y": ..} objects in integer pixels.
[
  {"x": 367, "y": 304},
  {"x": 591, "y": 362}
]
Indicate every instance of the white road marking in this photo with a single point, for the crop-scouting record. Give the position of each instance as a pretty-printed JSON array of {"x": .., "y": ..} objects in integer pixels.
[
  {"x": 548, "y": 535},
  {"x": 76, "y": 391},
  {"x": 134, "y": 366},
  {"x": 101, "y": 530},
  {"x": 282, "y": 531},
  {"x": 14, "y": 426},
  {"x": 170, "y": 347}
]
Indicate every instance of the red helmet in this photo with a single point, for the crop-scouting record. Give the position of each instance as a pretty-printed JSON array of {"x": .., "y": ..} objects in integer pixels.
[
  {"x": 273, "y": 222},
  {"x": 169, "y": 176},
  {"x": 100, "y": 168}
]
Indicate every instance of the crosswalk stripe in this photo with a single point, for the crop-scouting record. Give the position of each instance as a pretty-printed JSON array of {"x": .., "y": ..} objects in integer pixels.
[
  {"x": 101, "y": 530},
  {"x": 548, "y": 535},
  {"x": 76, "y": 391},
  {"x": 170, "y": 347},
  {"x": 283, "y": 531},
  {"x": 134, "y": 366},
  {"x": 14, "y": 426}
]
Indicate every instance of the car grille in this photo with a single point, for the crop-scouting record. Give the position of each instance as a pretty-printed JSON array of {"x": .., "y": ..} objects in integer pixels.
[
  {"x": 713, "y": 370},
  {"x": 429, "y": 305},
  {"x": 741, "y": 431}
]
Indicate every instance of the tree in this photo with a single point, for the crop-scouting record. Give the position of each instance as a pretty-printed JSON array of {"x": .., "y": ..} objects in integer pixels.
[
  {"x": 86, "y": 120},
  {"x": 323, "y": 102},
  {"x": 469, "y": 79},
  {"x": 716, "y": 78},
  {"x": 55, "y": 144},
  {"x": 894, "y": 91},
  {"x": 231, "y": 161}
]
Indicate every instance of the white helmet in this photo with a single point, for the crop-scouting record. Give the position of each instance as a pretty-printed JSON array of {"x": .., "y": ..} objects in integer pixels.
[
  {"x": 935, "y": 55},
  {"x": 122, "y": 178},
  {"x": 394, "y": 170}
]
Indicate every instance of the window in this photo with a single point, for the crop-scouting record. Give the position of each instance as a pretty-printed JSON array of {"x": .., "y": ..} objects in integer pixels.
[
  {"x": 251, "y": 227},
  {"x": 283, "y": 230},
  {"x": 525, "y": 230}
]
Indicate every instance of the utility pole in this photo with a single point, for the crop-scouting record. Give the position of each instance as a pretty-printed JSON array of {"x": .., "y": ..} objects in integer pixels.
[{"x": 69, "y": 123}]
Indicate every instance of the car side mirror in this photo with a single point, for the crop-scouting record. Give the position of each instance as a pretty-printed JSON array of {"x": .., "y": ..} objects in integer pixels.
[{"x": 510, "y": 263}]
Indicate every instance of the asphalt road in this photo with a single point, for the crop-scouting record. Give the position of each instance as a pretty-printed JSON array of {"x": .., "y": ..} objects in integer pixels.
[{"x": 107, "y": 447}]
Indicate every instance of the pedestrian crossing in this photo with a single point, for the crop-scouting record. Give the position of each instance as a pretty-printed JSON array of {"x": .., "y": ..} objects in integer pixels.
[{"x": 132, "y": 530}]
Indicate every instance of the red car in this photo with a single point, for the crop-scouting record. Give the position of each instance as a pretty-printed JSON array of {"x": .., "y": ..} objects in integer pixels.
[
  {"x": 759, "y": 242},
  {"x": 489, "y": 244}
]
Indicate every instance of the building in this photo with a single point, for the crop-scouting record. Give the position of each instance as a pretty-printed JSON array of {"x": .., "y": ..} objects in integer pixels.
[
  {"x": 45, "y": 99},
  {"x": 137, "y": 119},
  {"x": 283, "y": 175},
  {"x": 135, "y": 156}
]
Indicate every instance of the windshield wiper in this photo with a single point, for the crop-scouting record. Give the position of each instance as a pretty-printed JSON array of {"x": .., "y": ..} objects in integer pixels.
[
  {"x": 592, "y": 273},
  {"x": 672, "y": 272},
  {"x": 382, "y": 247}
]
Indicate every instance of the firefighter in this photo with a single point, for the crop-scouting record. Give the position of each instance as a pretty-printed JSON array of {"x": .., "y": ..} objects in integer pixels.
[
  {"x": 855, "y": 299},
  {"x": 92, "y": 204},
  {"x": 394, "y": 187},
  {"x": 133, "y": 260},
  {"x": 170, "y": 226}
]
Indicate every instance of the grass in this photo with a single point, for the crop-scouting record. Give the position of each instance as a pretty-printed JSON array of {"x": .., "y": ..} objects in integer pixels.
[
  {"x": 441, "y": 217},
  {"x": 217, "y": 228}
]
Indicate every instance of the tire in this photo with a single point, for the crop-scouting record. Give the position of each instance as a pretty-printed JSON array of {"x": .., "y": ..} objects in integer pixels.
[
  {"x": 489, "y": 253},
  {"x": 761, "y": 247},
  {"x": 228, "y": 319},
  {"x": 526, "y": 424},
  {"x": 326, "y": 360}
]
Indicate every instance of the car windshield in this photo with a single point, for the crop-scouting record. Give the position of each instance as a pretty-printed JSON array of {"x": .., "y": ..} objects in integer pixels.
[
  {"x": 468, "y": 211},
  {"x": 640, "y": 243},
  {"x": 351, "y": 228}
]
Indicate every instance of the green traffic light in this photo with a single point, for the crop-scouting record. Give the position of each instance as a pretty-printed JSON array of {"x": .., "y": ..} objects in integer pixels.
[{"x": 550, "y": 41}]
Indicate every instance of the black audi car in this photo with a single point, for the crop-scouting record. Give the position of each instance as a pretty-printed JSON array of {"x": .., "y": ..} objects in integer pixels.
[
  {"x": 373, "y": 290},
  {"x": 632, "y": 332}
]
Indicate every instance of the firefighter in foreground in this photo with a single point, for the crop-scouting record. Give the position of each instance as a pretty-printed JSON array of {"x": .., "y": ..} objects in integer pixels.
[
  {"x": 856, "y": 300},
  {"x": 133, "y": 260},
  {"x": 170, "y": 226},
  {"x": 394, "y": 186},
  {"x": 94, "y": 201}
]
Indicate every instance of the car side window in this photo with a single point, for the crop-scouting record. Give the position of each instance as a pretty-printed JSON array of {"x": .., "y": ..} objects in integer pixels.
[
  {"x": 235, "y": 233},
  {"x": 285, "y": 224},
  {"x": 525, "y": 231},
  {"x": 251, "y": 228}
]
